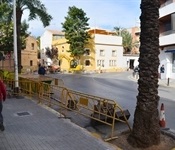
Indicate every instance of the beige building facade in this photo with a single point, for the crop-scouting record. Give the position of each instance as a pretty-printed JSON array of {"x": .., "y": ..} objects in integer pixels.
[{"x": 29, "y": 59}]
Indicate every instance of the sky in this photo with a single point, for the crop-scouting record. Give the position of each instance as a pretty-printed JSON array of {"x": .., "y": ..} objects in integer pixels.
[{"x": 105, "y": 14}]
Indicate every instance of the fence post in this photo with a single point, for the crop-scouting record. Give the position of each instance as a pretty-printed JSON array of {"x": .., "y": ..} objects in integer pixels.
[{"x": 168, "y": 82}]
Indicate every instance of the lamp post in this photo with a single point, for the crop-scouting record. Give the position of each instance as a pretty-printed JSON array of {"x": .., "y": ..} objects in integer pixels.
[{"x": 15, "y": 47}]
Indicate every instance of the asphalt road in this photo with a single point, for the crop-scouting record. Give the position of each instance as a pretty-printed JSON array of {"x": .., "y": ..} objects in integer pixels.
[{"x": 120, "y": 87}]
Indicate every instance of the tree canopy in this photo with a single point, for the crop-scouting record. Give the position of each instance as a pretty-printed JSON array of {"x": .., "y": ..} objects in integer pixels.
[
  {"x": 36, "y": 10},
  {"x": 127, "y": 39},
  {"x": 52, "y": 53},
  {"x": 6, "y": 37},
  {"x": 6, "y": 29},
  {"x": 75, "y": 28}
]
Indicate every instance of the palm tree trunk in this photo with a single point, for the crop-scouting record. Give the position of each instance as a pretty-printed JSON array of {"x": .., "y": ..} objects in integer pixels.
[
  {"x": 146, "y": 130},
  {"x": 18, "y": 24}
]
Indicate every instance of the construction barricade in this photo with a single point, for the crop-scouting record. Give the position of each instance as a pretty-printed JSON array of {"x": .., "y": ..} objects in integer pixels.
[{"x": 50, "y": 93}]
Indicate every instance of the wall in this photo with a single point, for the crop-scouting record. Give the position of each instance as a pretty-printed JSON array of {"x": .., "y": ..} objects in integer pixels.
[{"x": 29, "y": 54}]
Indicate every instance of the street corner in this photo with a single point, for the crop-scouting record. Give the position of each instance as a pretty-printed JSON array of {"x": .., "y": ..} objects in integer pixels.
[{"x": 130, "y": 77}]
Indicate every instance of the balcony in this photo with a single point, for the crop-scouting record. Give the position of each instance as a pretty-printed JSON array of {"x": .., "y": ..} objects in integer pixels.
[
  {"x": 163, "y": 4},
  {"x": 167, "y": 9},
  {"x": 167, "y": 38}
]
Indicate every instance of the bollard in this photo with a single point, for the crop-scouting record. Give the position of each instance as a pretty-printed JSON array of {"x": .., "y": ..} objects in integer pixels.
[{"x": 168, "y": 82}]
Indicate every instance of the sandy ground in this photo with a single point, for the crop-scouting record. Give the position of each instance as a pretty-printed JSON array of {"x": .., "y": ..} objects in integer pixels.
[{"x": 167, "y": 143}]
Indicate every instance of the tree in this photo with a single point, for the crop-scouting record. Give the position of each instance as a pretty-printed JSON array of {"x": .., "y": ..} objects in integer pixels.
[
  {"x": 52, "y": 53},
  {"x": 146, "y": 129},
  {"x": 127, "y": 40},
  {"x": 75, "y": 28},
  {"x": 4, "y": 12},
  {"x": 6, "y": 37},
  {"x": 36, "y": 10}
]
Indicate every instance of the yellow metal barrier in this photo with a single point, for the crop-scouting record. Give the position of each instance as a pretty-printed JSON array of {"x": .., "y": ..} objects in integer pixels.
[{"x": 96, "y": 108}]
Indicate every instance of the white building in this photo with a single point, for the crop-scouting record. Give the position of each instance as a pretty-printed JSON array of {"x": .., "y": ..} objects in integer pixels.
[
  {"x": 167, "y": 37},
  {"x": 109, "y": 51},
  {"x": 46, "y": 41}
]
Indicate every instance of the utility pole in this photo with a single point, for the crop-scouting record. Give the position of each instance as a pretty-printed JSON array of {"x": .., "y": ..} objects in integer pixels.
[{"x": 15, "y": 48}]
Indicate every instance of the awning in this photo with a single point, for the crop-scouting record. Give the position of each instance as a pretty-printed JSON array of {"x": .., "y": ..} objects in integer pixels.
[{"x": 170, "y": 51}]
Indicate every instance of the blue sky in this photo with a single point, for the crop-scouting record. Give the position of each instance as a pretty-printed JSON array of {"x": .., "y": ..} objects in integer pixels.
[{"x": 105, "y": 14}]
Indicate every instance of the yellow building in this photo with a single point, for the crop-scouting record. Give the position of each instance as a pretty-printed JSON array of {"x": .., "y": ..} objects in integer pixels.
[{"x": 104, "y": 52}]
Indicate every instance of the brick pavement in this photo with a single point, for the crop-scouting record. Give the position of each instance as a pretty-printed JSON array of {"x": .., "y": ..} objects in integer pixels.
[{"x": 30, "y": 126}]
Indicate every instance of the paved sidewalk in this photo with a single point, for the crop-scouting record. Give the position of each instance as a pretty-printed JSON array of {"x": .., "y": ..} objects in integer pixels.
[
  {"x": 162, "y": 82},
  {"x": 30, "y": 126},
  {"x": 165, "y": 82}
]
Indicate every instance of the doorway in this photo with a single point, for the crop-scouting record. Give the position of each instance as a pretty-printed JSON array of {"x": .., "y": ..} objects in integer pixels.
[{"x": 131, "y": 64}]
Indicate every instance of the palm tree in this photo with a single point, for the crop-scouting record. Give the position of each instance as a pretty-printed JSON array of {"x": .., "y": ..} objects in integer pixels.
[
  {"x": 36, "y": 9},
  {"x": 127, "y": 39},
  {"x": 146, "y": 129}
]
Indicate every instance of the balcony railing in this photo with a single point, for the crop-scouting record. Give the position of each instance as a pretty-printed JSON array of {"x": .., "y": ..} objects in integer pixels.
[
  {"x": 167, "y": 3},
  {"x": 167, "y": 33}
]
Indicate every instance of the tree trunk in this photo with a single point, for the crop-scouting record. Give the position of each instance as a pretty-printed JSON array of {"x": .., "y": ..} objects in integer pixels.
[
  {"x": 18, "y": 25},
  {"x": 146, "y": 130}
]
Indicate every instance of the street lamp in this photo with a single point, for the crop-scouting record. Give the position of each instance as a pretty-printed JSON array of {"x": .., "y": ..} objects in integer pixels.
[{"x": 15, "y": 47}]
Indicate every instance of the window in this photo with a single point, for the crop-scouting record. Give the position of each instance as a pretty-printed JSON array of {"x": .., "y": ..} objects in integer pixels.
[
  {"x": 33, "y": 46},
  {"x": 109, "y": 62},
  {"x": 114, "y": 53},
  {"x": 31, "y": 63},
  {"x": 87, "y": 52},
  {"x": 87, "y": 62},
  {"x": 112, "y": 63},
  {"x": 102, "y": 53},
  {"x": 103, "y": 62},
  {"x": 62, "y": 48},
  {"x": 100, "y": 63}
]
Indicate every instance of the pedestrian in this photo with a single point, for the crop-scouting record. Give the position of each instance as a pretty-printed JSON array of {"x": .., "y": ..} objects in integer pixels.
[
  {"x": 41, "y": 70},
  {"x": 3, "y": 95},
  {"x": 162, "y": 69}
]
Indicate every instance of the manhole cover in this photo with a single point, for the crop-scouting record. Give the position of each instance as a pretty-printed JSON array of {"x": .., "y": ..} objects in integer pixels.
[{"x": 25, "y": 113}]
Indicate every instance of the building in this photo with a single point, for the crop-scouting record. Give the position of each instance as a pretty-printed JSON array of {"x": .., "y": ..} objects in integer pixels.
[
  {"x": 29, "y": 56},
  {"x": 167, "y": 37},
  {"x": 29, "y": 60},
  {"x": 103, "y": 52},
  {"x": 46, "y": 42},
  {"x": 7, "y": 60}
]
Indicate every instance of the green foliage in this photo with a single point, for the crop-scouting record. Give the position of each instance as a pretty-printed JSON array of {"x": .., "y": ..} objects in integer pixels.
[
  {"x": 52, "y": 53},
  {"x": 75, "y": 28},
  {"x": 6, "y": 38},
  {"x": 4, "y": 12},
  {"x": 36, "y": 10},
  {"x": 127, "y": 40}
]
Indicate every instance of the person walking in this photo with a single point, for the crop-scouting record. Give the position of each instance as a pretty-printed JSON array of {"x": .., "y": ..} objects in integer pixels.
[
  {"x": 41, "y": 70},
  {"x": 162, "y": 70},
  {"x": 3, "y": 95}
]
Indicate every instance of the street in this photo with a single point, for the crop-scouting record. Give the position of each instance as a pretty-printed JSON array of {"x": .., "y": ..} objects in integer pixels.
[{"x": 120, "y": 87}]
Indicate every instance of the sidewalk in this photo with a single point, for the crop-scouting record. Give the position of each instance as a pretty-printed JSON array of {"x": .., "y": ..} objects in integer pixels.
[
  {"x": 30, "y": 126},
  {"x": 162, "y": 82},
  {"x": 165, "y": 82}
]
